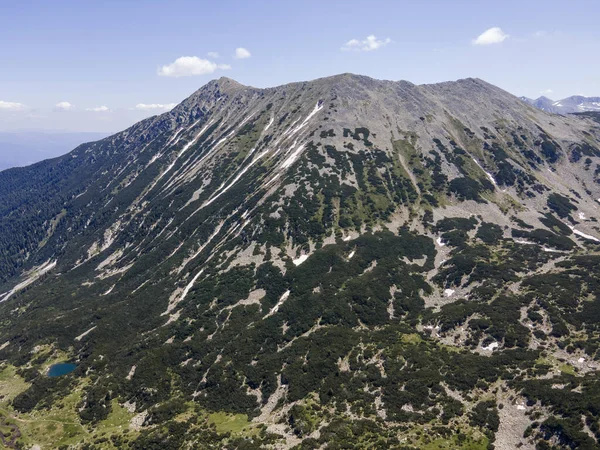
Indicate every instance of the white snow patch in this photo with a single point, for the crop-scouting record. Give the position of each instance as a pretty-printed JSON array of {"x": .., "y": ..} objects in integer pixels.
[
  {"x": 131, "y": 372},
  {"x": 85, "y": 333},
  {"x": 277, "y": 175},
  {"x": 291, "y": 131},
  {"x": 551, "y": 250},
  {"x": 176, "y": 297},
  {"x": 583, "y": 235},
  {"x": 292, "y": 158},
  {"x": 300, "y": 260},
  {"x": 285, "y": 133},
  {"x": 244, "y": 170},
  {"x": 524, "y": 242},
  {"x": 351, "y": 254},
  {"x": 318, "y": 107},
  {"x": 581, "y": 360},
  {"x": 521, "y": 407},
  {"x": 222, "y": 140},
  {"x": 193, "y": 141},
  {"x": 202, "y": 247},
  {"x": 295, "y": 152},
  {"x": 347, "y": 238},
  {"x": 270, "y": 123},
  {"x": 179, "y": 155},
  {"x": 178, "y": 133},
  {"x": 3, "y": 346},
  {"x": 32, "y": 276},
  {"x": 581, "y": 216},
  {"x": 154, "y": 159},
  {"x": 110, "y": 290},
  {"x": 281, "y": 301},
  {"x": 490, "y": 347},
  {"x": 171, "y": 139},
  {"x": 489, "y": 175},
  {"x": 449, "y": 292},
  {"x": 440, "y": 242}
]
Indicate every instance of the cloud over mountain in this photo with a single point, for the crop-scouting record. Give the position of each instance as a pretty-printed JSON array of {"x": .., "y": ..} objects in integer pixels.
[
  {"x": 11, "y": 106},
  {"x": 493, "y": 35},
  {"x": 242, "y": 53},
  {"x": 368, "y": 44},
  {"x": 98, "y": 109},
  {"x": 63, "y": 106},
  {"x": 186, "y": 66}
]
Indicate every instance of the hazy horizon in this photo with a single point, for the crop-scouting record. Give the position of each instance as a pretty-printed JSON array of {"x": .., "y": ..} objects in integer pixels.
[{"x": 20, "y": 148}]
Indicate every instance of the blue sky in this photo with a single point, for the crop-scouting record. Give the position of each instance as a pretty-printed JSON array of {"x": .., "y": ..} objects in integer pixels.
[{"x": 60, "y": 59}]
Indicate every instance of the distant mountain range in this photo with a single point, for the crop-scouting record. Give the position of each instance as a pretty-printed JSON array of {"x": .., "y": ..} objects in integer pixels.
[
  {"x": 343, "y": 263},
  {"x": 569, "y": 105},
  {"x": 21, "y": 148}
]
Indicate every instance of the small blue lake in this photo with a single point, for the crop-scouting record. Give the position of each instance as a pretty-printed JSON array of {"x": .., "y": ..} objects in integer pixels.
[{"x": 56, "y": 370}]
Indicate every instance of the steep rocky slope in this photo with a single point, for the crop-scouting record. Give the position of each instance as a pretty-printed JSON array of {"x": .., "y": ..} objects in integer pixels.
[{"x": 339, "y": 262}]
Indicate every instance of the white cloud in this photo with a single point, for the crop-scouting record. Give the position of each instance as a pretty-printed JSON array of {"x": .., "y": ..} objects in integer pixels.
[
  {"x": 213, "y": 54},
  {"x": 98, "y": 109},
  {"x": 547, "y": 92},
  {"x": 190, "y": 65},
  {"x": 369, "y": 44},
  {"x": 63, "y": 106},
  {"x": 11, "y": 106},
  {"x": 242, "y": 53},
  {"x": 494, "y": 35},
  {"x": 155, "y": 106}
]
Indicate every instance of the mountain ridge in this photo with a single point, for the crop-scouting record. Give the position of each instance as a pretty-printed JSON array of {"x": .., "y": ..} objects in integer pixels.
[{"x": 310, "y": 256}]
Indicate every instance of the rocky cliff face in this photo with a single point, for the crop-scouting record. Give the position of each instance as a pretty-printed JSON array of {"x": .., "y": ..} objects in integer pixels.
[{"x": 348, "y": 254}]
